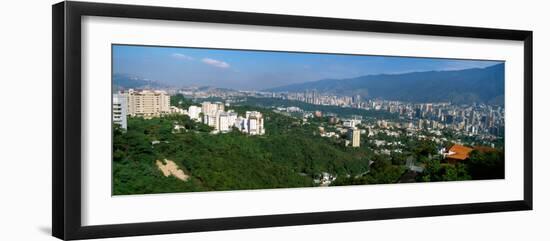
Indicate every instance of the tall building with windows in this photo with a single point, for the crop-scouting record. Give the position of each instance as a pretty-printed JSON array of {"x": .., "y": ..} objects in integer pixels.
[
  {"x": 211, "y": 108},
  {"x": 232, "y": 117},
  {"x": 224, "y": 125},
  {"x": 255, "y": 123},
  {"x": 120, "y": 110},
  {"x": 354, "y": 135},
  {"x": 211, "y": 120},
  {"x": 211, "y": 114},
  {"x": 147, "y": 103}
]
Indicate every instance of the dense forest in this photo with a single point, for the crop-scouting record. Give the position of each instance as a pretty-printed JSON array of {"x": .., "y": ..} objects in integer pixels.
[{"x": 289, "y": 155}]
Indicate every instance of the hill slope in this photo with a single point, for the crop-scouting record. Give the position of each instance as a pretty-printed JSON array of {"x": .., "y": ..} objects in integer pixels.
[
  {"x": 124, "y": 81},
  {"x": 458, "y": 86}
]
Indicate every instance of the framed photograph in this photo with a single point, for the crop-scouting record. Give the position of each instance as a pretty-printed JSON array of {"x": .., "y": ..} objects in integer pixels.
[{"x": 169, "y": 120}]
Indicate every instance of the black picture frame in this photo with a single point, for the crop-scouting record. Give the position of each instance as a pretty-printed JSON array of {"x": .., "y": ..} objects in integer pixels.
[{"x": 66, "y": 158}]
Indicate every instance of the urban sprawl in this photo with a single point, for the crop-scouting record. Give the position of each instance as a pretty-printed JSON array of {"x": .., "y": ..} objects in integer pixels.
[{"x": 485, "y": 123}]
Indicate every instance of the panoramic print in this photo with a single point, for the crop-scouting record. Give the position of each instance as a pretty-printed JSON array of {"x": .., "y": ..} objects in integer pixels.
[{"x": 201, "y": 119}]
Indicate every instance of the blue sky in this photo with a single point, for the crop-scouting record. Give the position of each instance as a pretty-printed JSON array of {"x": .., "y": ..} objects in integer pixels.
[{"x": 256, "y": 70}]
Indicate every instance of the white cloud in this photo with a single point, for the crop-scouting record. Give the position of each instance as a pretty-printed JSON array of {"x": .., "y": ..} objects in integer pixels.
[
  {"x": 216, "y": 63},
  {"x": 181, "y": 56}
]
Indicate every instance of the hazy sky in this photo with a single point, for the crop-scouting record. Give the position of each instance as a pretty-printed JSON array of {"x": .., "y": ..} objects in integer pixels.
[{"x": 249, "y": 70}]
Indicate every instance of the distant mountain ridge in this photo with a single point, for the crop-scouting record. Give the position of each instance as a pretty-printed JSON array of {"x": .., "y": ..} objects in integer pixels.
[
  {"x": 485, "y": 85},
  {"x": 126, "y": 81}
]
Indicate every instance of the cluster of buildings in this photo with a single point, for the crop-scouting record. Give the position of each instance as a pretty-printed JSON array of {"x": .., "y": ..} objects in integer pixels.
[
  {"x": 349, "y": 129},
  {"x": 314, "y": 97},
  {"x": 214, "y": 115},
  {"x": 475, "y": 119},
  {"x": 472, "y": 119},
  {"x": 143, "y": 103},
  {"x": 155, "y": 103}
]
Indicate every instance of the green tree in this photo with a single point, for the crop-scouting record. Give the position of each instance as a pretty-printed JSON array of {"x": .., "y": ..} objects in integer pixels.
[
  {"x": 456, "y": 172},
  {"x": 486, "y": 165},
  {"x": 432, "y": 171}
]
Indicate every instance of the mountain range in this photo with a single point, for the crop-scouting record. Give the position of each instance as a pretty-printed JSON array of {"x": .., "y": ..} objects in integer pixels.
[
  {"x": 482, "y": 85},
  {"x": 125, "y": 81}
]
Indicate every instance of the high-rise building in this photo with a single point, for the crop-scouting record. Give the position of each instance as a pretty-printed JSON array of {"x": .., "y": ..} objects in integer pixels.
[
  {"x": 357, "y": 99},
  {"x": 354, "y": 136},
  {"x": 120, "y": 110},
  {"x": 211, "y": 114},
  {"x": 211, "y": 120},
  {"x": 211, "y": 108},
  {"x": 429, "y": 107},
  {"x": 223, "y": 124},
  {"x": 147, "y": 103},
  {"x": 221, "y": 121},
  {"x": 255, "y": 122},
  {"x": 232, "y": 116},
  {"x": 208, "y": 108},
  {"x": 418, "y": 113}
]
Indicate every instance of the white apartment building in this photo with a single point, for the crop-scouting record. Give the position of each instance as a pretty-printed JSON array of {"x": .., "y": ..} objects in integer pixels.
[
  {"x": 255, "y": 123},
  {"x": 211, "y": 108},
  {"x": 232, "y": 118},
  {"x": 211, "y": 120},
  {"x": 351, "y": 123},
  {"x": 220, "y": 120},
  {"x": 148, "y": 103},
  {"x": 194, "y": 112},
  {"x": 211, "y": 114},
  {"x": 120, "y": 110},
  {"x": 223, "y": 122},
  {"x": 215, "y": 116}
]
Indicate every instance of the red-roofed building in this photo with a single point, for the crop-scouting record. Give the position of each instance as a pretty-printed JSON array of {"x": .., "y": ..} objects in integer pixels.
[{"x": 457, "y": 153}]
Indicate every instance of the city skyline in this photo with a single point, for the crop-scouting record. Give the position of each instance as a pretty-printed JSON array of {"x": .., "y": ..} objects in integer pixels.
[{"x": 257, "y": 70}]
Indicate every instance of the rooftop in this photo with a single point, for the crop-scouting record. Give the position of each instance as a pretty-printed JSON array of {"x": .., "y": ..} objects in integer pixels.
[{"x": 459, "y": 152}]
